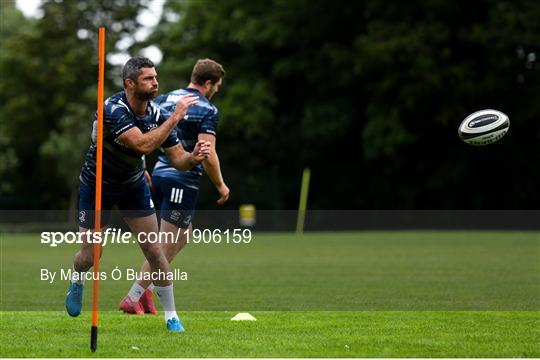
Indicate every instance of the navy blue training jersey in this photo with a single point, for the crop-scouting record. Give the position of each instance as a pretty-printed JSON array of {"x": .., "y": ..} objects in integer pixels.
[
  {"x": 201, "y": 118},
  {"x": 122, "y": 166}
]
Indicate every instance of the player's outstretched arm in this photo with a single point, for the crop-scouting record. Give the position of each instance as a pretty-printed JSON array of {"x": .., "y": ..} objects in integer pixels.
[
  {"x": 148, "y": 142},
  {"x": 213, "y": 169},
  {"x": 183, "y": 160}
]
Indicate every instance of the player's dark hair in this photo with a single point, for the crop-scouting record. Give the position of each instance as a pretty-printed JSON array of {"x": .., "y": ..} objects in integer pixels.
[
  {"x": 132, "y": 69},
  {"x": 207, "y": 69}
]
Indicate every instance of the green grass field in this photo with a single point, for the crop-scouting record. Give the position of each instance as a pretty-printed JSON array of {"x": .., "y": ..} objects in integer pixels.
[
  {"x": 278, "y": 334},
  {"x": 368, "y": 294}
]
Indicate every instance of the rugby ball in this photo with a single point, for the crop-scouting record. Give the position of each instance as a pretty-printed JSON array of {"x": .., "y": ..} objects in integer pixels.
[{"x": 484, "y": 127}]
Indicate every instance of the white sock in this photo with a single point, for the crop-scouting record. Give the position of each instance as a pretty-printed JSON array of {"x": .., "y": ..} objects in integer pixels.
[
  {"x": 135, "y": 292},
  {"x": 76, "y": 279},
  {"x": 166, "y": 296},
  {"x": 150, "y": 287}
]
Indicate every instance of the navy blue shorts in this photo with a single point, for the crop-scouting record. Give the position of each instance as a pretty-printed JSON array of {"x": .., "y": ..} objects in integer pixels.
[
  {"x": 175, "y": 201},
  {"x": 133, "y": 201}
]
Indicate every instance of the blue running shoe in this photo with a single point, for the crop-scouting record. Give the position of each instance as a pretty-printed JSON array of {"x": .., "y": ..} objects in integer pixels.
[
  {"x": 175, "y": 325},
  {"x": 74, "y": 299}
]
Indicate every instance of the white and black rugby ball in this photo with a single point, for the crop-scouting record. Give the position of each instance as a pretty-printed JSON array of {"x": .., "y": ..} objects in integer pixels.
[{"x": 484, "y": 127}]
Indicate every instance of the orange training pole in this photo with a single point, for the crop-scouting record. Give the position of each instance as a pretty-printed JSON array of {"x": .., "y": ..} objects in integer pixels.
[{"x": 99, "y": 156}]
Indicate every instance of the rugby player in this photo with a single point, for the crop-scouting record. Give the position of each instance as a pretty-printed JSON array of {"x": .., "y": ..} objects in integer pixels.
[
  {"x": 133, "y": 126},
  {"x": 176, "y": 191}
]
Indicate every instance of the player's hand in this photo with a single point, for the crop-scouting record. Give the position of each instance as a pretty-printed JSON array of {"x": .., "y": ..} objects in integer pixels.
[
  {"x": 224, "y": 193},
  {"x": 201, "y": 150},
  {"x": 184, "y": 103},
  {"x": 148, "y": 178}
]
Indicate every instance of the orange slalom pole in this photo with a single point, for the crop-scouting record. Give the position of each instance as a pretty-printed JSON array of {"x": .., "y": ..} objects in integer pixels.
[{"x": 99, "y": 165}]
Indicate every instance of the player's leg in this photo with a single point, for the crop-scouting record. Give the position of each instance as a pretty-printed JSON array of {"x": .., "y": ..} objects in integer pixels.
[
  {"x": 177, "y": 204},
  {"x": 82, "y": 262},
  {"x": 84, "y": 258},
  {"x": 143, "y": 222},
  {"x": 143, "y": 226},
  {"x": 130, "y": 304},
  {"x": 142, "y": 289},
  {"x": 170, "y": 248},
  {"x": 173, "y": 248}
]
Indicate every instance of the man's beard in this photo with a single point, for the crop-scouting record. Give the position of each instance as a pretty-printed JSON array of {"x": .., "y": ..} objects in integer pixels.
[{"x": 145, "y": 96}]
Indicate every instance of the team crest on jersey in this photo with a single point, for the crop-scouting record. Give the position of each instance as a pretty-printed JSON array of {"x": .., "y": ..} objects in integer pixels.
[
  {"x": 187, "y": 220},
  {"x": 175, "y": 215}
]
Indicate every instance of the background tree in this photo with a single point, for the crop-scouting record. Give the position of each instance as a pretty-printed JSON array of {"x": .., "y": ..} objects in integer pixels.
[
  {"x": 49, "y": 75},
  {"x": 11, "y": 20},
  {"x": 368, "y": 95}
]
